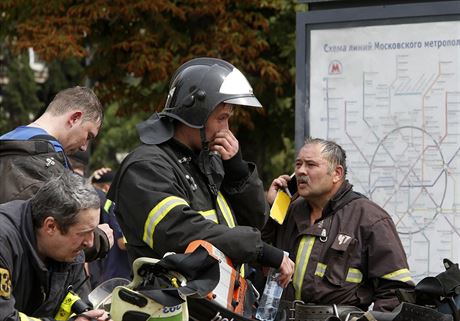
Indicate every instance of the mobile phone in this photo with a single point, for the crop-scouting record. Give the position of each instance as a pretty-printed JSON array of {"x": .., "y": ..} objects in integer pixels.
[{"x": 292, "y": 185}]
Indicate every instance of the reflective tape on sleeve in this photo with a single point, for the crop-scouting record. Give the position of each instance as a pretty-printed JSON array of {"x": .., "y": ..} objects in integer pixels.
[
  {"x": 225, "y": 209},
  {"x": 157, "y": 214},
  {"x": 402, "y": 275},
  {"x": 210, "y": 215}
]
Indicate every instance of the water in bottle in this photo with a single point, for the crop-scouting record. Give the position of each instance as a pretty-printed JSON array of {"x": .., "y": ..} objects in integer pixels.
[{"x": 268, "y": 305}]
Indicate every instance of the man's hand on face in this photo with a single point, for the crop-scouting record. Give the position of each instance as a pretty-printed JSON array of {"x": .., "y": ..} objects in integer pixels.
[
  {"x": 225, "y": 144},
  {"x": 278, "y": 183}
]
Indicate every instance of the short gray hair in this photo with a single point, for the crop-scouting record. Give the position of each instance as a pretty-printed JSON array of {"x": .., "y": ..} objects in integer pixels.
[
  {"x": 331, "y": 151},
  {"x": 63, "y": 197},
  {"x": 77, "y": 98}
]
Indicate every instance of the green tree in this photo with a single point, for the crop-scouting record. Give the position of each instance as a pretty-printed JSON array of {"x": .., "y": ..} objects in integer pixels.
[
  {"x": 131, "y": 48},
  {"x": 62, "y": 74},
  {"x": 19, "y": 96}
]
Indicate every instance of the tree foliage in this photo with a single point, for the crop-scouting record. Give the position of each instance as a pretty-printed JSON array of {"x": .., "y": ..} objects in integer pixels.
[
  {"x": 19, "y": 95},
  {"x": 130, "y": 48}
]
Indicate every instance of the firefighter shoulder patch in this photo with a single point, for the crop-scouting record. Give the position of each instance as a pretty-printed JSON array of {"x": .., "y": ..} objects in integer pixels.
[{"x": 5, "y": 283}]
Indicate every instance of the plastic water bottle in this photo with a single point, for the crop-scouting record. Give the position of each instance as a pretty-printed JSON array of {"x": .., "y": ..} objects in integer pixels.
[{"x": 268, "y": 305}]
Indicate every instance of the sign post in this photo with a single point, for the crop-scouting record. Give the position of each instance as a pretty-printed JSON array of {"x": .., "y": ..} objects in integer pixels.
[{"x": 383, "y": 81}]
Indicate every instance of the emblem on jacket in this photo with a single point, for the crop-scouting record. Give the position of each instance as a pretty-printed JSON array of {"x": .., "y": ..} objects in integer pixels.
[
  {"x": 5, "y": 283},
  {"x": 341, "y": 242},
  {"x": 343, "y": 239}
]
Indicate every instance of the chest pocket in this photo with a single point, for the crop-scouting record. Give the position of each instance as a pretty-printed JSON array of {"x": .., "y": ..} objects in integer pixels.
[
  {"x": 58, "y": 290},
  {"x": 337, "y": 269}
]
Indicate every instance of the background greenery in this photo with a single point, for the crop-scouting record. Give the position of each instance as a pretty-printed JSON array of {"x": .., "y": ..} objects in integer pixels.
[{"x": 127, "y": 50}]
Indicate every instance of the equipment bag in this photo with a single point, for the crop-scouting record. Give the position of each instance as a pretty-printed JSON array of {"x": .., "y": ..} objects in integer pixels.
[
  {"x": 160, "y": 288},
  {"x": 441, "y": 291},
  {"x": 25, "y": 165},
  {"x": 438, "y": 293}
]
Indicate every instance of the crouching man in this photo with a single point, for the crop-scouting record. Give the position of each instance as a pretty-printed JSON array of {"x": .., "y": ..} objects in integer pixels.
[{"x": 42, "y": 249}]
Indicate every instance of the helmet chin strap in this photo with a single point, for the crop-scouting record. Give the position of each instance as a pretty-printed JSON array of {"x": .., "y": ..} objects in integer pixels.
[
  {"x": 204, "y": 142},
  {"x": 205, "y": 160}
]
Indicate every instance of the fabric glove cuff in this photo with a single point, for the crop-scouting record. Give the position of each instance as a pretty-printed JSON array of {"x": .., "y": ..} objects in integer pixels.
[
  {"x": 236, "y": 168},
  {"x": 271, "y": 256}
]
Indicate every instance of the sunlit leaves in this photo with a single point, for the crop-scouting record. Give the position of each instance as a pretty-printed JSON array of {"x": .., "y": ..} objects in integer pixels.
[{"x": 130, "y": 48}]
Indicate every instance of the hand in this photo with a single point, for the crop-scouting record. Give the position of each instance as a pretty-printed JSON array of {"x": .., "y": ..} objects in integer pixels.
[
  {"x": 108, "y": 232},
  {"x": 99, "y": 315},
  {"x": 280, "y": 182},
  {"x": 99, "y": 172},
  {"x": 225, "y": 144},
  {"x": 286, "y": 271},
  {"x": 121, "y": 243}
]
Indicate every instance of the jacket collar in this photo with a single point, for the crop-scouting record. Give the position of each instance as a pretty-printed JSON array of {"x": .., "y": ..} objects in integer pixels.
[
  {"x": 344, "y": 195},
  {"x": 182, "y": 151},
  {"x": 339, "y": 200}
]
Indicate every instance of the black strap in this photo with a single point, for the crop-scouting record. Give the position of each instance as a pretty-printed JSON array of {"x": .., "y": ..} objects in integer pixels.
[
  {"x": 40, "y": 145},
  {"x": 48, "y": 138},
  {"x": 44, "y": 137},
  {"x": 30, "y": 147},
  {"x": 454, "y": 308}
]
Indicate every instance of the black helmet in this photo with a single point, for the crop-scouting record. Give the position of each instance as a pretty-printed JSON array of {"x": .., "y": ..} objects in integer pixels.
[{"x": 196, "y": 89}]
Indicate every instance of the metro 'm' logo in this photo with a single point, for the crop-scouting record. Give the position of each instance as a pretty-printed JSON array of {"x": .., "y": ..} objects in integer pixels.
[{"x": 335, "y": 67}]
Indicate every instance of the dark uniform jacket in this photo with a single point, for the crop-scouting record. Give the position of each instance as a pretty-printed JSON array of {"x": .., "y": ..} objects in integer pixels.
[
  {"x": 352, "y": 255},
  {"x": 28, "y": 286},
  {"x": 163, "y": 202}
]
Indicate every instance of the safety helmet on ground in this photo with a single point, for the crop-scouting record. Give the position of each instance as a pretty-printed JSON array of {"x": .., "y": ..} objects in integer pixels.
[{"x": 196, "y": 89}]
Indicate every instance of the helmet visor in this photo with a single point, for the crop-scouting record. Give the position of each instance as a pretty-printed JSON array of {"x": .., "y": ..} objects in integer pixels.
[
  {"x": 245, "y": 101},
  {"x": 237, "y": 87}
]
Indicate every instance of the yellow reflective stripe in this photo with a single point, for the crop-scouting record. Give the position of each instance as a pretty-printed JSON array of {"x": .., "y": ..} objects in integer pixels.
[
  {"x": 301, "y": 261},
  {"x": 222, "y": 203},
  {"x": 402, "y": 275},
  {"x": 354, "y": 276},
  {"x": 107, "y": 205},
  {"x": 320, "y": 269},
  {"x": 25, "y": 317},
  {"x": 65, "y": 309},
  {"x": 209, "y": 215},
  {"x": 157, "y": 214}
]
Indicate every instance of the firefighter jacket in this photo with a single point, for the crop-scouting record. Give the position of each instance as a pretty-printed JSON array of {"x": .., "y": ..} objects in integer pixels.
[
  {"x": 163, "y": 202},
  {"x": 28, "y": 286},
  {"x": 352, "y": 255}
]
